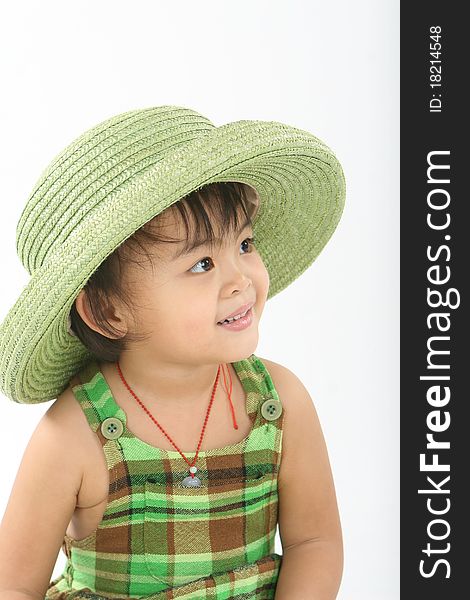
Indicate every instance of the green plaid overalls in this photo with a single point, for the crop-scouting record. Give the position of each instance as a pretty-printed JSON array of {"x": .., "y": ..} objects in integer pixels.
[{"x": 159, "y": 540}]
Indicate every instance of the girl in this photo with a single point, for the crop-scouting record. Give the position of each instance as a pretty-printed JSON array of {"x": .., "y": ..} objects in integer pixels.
[{"x": 172, "y": 451}]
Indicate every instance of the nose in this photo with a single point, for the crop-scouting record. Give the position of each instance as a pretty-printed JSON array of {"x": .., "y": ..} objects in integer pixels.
[{"x": 236, "y": 279}]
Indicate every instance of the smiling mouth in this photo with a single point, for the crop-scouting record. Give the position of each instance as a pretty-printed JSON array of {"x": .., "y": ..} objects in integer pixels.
[{"x": 236, "y": 318}]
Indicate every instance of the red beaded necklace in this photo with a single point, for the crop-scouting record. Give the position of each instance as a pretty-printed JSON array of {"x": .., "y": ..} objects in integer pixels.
[{"x": 191, "y": 480}]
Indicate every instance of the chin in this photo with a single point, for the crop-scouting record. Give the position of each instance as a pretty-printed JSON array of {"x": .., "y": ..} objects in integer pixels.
[{"x": 239, "y": 351}]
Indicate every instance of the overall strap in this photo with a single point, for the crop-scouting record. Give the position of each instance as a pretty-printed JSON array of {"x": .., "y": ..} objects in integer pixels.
[
  {"x": 107, "y": 419},
  {"x": 264, "y": 407},
  {"x": 266, "y": 384},
  {"x": 95, "y": 398}
]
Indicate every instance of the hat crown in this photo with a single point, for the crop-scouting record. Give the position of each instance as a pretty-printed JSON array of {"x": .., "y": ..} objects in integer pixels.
[{"x": 93, "y": 167}]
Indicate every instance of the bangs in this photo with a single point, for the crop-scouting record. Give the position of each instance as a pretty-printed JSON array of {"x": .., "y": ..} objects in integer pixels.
[{"x": 210, "y": 215}]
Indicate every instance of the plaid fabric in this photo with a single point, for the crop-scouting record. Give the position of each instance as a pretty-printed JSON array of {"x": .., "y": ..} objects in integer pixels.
[{"x": 159, "y": 540}]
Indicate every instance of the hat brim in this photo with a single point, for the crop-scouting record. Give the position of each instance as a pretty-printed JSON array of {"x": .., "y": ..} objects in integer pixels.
[{"x": 301, "y": 187}]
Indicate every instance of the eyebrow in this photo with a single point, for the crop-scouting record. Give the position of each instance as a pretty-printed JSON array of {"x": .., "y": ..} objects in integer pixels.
[{"x": 190, "y": 246}]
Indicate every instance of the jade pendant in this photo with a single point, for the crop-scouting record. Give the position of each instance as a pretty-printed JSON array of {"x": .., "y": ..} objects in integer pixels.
[{"x": 191, "y": 482}]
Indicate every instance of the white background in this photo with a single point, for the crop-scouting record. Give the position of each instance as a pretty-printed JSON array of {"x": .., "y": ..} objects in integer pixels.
[{"x": 331, "y": 68}]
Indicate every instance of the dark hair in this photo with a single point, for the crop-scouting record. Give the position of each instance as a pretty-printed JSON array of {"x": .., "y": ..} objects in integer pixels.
[{"x": 223, "y": 199}]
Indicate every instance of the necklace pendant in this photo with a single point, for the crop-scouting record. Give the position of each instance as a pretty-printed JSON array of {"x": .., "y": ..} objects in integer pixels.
[{"x": 191, "y": 482}]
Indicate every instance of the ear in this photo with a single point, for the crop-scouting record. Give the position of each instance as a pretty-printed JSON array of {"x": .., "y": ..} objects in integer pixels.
[{"x": 112, "y": 314}]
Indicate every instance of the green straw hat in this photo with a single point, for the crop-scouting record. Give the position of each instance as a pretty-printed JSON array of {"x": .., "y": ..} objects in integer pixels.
[{"x": 123, "y": 172}]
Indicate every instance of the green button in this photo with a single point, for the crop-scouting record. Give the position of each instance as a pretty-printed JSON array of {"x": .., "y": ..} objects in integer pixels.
[
  {"x": 271, "y": 409},
  {"x": 112, "y": 428}
]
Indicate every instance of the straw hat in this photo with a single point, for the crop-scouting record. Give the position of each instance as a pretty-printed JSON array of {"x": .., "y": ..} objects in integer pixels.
[{"x": 123, "y": 172}]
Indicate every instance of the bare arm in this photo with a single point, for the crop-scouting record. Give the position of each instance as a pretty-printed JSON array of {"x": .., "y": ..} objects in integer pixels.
[
  {"x": 15, "y": 595},
  {"x": 309, "y": 522},
  {"x": 40, "y": 506},
  {"x": 310, "y": 571}
]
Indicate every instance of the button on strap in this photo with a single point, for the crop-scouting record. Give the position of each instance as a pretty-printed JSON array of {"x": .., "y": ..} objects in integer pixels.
[
  {"x": 271, "y": 409},
  {"x": 112, "y": 428}
]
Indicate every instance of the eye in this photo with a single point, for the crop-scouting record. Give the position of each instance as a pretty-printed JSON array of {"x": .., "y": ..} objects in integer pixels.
[
  {"x": 251, "y": 241},
  {"x": 200, "y": 262},
  {"x": 207, "y": 259}
]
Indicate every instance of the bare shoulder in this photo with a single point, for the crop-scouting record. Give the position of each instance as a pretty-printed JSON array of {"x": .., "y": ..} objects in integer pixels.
[
  {"x": 70, "y": 422},
  {"x": 66, "y": 411},
  {"x": 292, "y": 392},
  {"x": 301, "y": 426},
  {"x": 63, "y": 429},
  {"x": 60, "y": 430}
]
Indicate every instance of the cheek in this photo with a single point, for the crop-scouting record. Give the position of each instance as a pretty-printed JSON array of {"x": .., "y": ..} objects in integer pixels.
[
  {"x": 267, "y": 280},
  {"x": 185, "y": 326},
  {"x": 197, "y": 316},
  {"x": 262, "y": 277}
]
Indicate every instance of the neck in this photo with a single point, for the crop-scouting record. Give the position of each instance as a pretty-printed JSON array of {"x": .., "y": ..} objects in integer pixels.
[{"x": 169, "y": 384}]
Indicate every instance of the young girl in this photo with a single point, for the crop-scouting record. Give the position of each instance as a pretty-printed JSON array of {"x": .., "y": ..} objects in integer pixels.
[{"x": 172, "y": 451}]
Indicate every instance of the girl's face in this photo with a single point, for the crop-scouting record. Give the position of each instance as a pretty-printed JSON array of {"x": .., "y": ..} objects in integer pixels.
[{"x": 181, "y": 300}]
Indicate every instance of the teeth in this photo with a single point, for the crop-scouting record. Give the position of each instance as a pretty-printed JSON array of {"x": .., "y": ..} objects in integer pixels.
[{"x": 229, "y": 320}]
